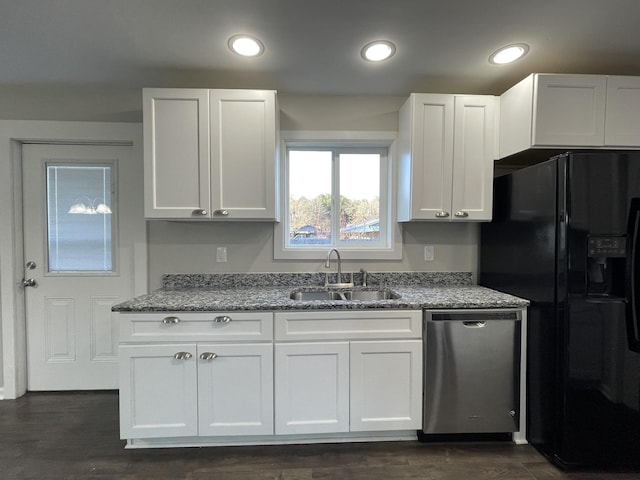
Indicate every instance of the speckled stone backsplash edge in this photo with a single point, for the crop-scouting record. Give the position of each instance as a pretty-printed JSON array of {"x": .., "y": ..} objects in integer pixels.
[{"x": 238, "y": 280}]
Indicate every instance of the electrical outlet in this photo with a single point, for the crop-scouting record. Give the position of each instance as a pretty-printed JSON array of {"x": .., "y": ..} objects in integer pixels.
[
  {"x": 221, "y": 254},
  {"x": 429, "y": 254}
]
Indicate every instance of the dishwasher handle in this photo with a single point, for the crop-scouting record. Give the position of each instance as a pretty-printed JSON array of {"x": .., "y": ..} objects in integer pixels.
[
  {"x": 474, "y": 324},
  {"x": 472, "y": 317}
]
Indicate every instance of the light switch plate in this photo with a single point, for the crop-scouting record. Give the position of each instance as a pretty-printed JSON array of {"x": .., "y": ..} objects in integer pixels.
[{"x": 221, "y": 254}]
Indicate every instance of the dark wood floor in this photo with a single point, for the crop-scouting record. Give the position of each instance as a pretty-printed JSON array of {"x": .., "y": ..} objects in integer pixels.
[{"x": 73, "y": 436}]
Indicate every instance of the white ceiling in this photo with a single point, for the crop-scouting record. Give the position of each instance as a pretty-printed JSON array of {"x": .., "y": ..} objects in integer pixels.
[{"x": 312, "y": 46}]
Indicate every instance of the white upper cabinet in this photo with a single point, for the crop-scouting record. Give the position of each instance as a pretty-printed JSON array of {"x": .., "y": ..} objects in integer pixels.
[
  {"x": 570, "y": 111},
  {"x": 176, "y": 152},
  {"x": 622, "y": 121},
  {"x": 210, "y": 154},
  {"x": 447, "y": 148},
  {"x": 243, "y": 154}
]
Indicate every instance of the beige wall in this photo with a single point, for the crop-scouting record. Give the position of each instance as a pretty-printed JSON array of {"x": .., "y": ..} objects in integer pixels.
[{"x": 183, "y": 247}]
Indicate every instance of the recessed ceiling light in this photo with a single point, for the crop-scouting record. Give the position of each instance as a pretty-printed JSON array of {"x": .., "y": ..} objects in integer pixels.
[
  {"x": 378, "y": 51},
  {"x": 509, "y": 54},
  {"x": 246, "y": 45}
]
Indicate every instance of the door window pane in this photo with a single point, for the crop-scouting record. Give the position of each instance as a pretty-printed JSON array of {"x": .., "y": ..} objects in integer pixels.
[{"x": 79, "y": 218}]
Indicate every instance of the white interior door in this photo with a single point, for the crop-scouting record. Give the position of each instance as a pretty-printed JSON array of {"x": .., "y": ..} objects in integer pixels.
[{"x": 79, "y": 235}]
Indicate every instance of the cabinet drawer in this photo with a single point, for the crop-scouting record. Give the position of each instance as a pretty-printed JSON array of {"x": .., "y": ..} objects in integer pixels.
[
  {"x": 204, "y": 326},
  {"x": 344, "y": 325}
]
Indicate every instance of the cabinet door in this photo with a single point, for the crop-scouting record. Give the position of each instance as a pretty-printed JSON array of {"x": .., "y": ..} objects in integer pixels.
[
  {"x": 176, "y": 153},
  {"x": 235, "y": 389},
  {"x": 158, "y": 391},
  {"x": 473, "y": 152},
  {"x": 312, "y": 388},
  {"x": 243, "y": 154},
  {"x": 426, "y": 157},
  {"x": 569, "y": 110},
  {"x": 622, "y": 124},
  {"x": 386, "y": 385}
]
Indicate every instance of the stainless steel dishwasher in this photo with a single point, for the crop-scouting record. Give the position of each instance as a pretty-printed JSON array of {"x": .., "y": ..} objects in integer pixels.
[{"x": 472, "y": 371}]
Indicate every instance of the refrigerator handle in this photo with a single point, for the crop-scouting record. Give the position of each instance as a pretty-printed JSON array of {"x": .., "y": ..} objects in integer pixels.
[{"x": 633, "y": 276}]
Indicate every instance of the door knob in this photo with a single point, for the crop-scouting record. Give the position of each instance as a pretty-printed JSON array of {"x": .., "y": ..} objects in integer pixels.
[{"x": 29, "y": 282}]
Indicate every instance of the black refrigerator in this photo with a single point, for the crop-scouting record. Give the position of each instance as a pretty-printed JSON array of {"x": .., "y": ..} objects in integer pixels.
[{"x": 565, "y": 234}]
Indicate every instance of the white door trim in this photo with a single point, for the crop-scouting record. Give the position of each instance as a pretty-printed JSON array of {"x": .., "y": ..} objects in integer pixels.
[{"x": 13, "y": 133}]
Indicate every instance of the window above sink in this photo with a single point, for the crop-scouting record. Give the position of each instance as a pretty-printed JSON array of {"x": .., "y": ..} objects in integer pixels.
[{"x": 338, "y": 191}]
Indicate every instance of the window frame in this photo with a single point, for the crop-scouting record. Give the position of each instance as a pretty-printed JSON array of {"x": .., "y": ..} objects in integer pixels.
[{"x": 392, "y": 248}]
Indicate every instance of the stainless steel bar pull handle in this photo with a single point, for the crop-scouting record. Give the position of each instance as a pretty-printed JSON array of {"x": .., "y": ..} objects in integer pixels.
[
  {"x": 182, "y": 356},
  {"x": 222, "y": 319},
  {"x": 442, "y": 214},
  {"x": 461, "y": 214},
  {"x": 208, "y": 356},
  {"x": 223, "y": 213},
  {"x": 170, "y": 320},
  {"x": 199, "y": 211}
]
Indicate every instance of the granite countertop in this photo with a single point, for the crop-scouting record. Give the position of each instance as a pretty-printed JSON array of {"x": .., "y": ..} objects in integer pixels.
[{"x": 237, "y": 292}]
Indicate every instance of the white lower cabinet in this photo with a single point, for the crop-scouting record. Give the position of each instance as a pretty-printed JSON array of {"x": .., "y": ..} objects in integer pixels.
[
  {"x": 183, "y": 390},
  {"x": 337, "y": 387},
  {"x": 235, "y": 389},
  {"x": 348, "y": 386},
  {"x": 194, "y": 379},
  {"x": 158, "y": 392},
  {"x": 312, "y": 387},
  {"x": 386, "y": 385},
  {"x": 196, "y": 374}
]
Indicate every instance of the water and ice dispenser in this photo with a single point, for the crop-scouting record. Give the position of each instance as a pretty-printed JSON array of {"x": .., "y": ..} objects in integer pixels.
[{"x": 606, "y": 267}]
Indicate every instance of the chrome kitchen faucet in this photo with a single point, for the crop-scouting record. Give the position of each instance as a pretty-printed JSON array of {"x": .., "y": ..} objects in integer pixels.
[{"x": 327, "y": 264}]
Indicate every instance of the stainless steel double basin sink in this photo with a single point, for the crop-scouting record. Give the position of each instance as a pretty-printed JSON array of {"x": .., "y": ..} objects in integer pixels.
[{"x": 346, "y": 295}]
